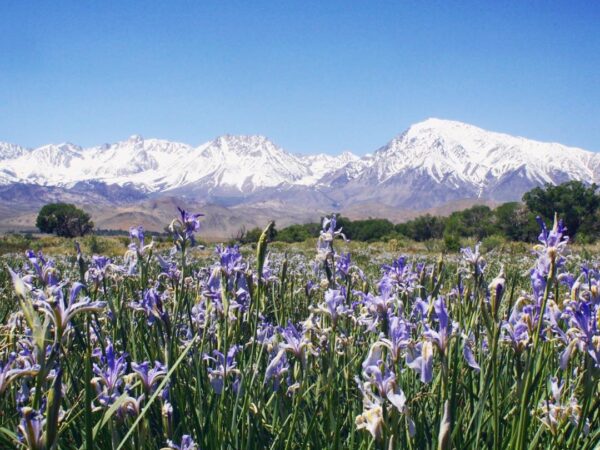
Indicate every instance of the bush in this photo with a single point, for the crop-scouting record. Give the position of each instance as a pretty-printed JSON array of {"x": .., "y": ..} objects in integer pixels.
[
  {"x": 294, "y": 233},
  {"x": 95, "y": 246},
  {"x": 492, "y": 242},
  {"x": 451, "y": 243},
  {"x": 575, "y": 202},
  {"x": 64, "y": 219}
]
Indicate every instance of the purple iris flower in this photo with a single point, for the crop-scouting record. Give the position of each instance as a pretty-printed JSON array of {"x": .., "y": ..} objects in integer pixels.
[
  {"x": 376, "y": 373},
  {"x": 109, "y": 374},
  {"x": 401, "y": 275},
  {"x": 473, "y": 257},
  {"x": 190, "y": 224},
  {"x": 131, "y": 406},
  {"x": 335, "y": 304},
  {"x": 343, "y": 264},
  {"x": 151, "y": 304},
  {"x": 294, "y": 341},
  {"x": 212, "y": 288},
  {"x": 15, "y": 368},
  {"x": 420, "y": 358},
  {"x": 31, "y": 428},
  {"x": 377, "y": 307},
  {"x": 516, "y": 331},
  {"x": 398, "y": 337},
  {"x": 326, "y": 238},
  {"x": 61, "y": 312},
  {"x": 277, "y": 368},
  {"x": 558, "y": 410},
  {"x": 554, "y": 241},
  {"x": 98, "y": 268},
  {"x": 224, "y": 366},
  {"x": 137, "y": 233},
  {"x": 584, "y": 318},
  {"x": 149, "y": 376},
  {"x": 230, "y": 259},
  {"x": 468, "y": 353},
  {"x": 169, "y": 269},
  {"x": 310, "y": 287},
  {"x": 187, "y": 443},
  {"x": 44, "y": 269},
  {"x": 440, "y": 337},
  {"x": 266, "y": 334},
  {"x": 203, "y": 317}
]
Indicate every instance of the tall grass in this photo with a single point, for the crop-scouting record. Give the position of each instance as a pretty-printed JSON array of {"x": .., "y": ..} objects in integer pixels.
[{"x": 277, "y": 350}]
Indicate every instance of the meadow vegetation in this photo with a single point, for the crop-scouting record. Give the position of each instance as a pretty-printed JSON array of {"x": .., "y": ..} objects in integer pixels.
[{"x": 322, "y": 344}]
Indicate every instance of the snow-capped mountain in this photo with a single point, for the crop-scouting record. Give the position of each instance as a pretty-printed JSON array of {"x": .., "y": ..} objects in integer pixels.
[
  {"x": 447, "y": 149},
  {"x": 432, "y": 163},
  {"x": 437, "y": 161},
  {"x": 242, "y": 164}
]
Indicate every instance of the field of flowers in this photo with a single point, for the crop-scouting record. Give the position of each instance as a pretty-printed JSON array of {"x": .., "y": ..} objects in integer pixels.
[{"x": 254, "y": 348}]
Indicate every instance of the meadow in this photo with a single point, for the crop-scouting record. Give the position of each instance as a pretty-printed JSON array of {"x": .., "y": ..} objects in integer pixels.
[{"x": 325, "y": 344}]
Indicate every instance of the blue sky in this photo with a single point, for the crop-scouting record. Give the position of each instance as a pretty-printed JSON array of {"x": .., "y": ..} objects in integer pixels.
[{"x": 314, "y": 76}]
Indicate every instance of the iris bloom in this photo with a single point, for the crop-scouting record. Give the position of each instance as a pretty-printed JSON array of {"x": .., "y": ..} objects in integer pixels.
[
  {"x": 60, "y": 312},
  {"x": 294, "y": 341},
  {"x": 149, "y": 376},
  {"x": 398, "y": 336},
  {"x": 420, "y": 359},
  {"x": 585, "y": 331},
  {"x": 15, "y": 368},
  {"x": 326, "y": 238},
  {"x": 553, "y": 242},
  {"x": 131, "y": 407},
  {"x": 137, "y": 247},
  {"x": 100, "y": 266},
  {"x": 401, "y": 275},
  {"x": 371, "y": 419},
  {"x": 556, "y": 412},
  {"x": 109, "y": 374},
  {"x": 468, "y": 353},
  {"x": 379, "y": 384},
  {"x": 44, "y": 269},
  {"x": 277, "y": 368},
  {"x": 224, "y": 366},
  {"x": 185, "y": 228},
  {"x": 32, "y": 428},
  {"x": 441, "y": 337},
  {"x": 474, "y": 259},
  {"x": 378, "y": 375},
  {"x": 334, "y": 304},
  {"x": 151, "y": 304},
  {"x": 187, "y": 443},
  {"x": 230, "y": 259}
]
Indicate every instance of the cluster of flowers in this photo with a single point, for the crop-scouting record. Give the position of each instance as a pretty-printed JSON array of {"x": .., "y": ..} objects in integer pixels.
[
  {"x": 406, "y": 326},
  {"x": 64, "y": 304}
]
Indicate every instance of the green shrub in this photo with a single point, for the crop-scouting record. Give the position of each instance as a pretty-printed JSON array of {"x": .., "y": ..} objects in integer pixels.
[
  {"x": 64, "y": 219},
  {"x": 451, "y": 243}
]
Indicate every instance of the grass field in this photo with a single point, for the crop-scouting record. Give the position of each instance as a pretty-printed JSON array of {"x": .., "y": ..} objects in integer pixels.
[{"x": 324, "y": 344}]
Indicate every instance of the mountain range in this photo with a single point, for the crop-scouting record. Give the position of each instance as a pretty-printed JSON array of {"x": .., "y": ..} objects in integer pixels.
[{"x": 435, "y": 165}]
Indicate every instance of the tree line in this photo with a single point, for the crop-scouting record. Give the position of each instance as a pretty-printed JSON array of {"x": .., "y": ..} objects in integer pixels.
[{"x": 578, "y": 204}]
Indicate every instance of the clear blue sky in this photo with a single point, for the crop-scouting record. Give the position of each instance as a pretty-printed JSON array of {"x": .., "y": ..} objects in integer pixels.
[{"x": 314, "y": 76}]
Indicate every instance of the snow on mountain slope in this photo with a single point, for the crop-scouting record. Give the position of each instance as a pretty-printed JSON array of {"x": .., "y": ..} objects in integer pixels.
[
  {"x": 461, "y": 153},
  {"x": 245, "y": 163},
  {"x": 431, "y": 162},
  {"x": 322, "y": 164},
  {"x": 11, "y": 151}
]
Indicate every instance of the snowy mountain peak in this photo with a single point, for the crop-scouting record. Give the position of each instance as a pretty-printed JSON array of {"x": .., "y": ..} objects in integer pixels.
[
  {"x": 432, "y": 162},
  {"x": 135, "y": 138},
  {"x": 11, "y": 151},
  {"x": 244, "y": 144}
]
